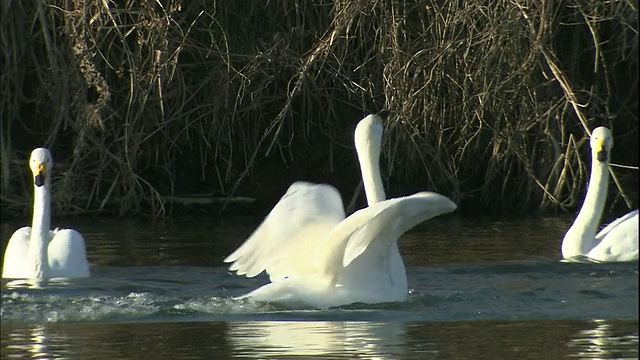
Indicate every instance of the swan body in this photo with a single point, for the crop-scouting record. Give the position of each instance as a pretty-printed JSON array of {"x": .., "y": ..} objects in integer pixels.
[
  {"x": 315, "y": 257},
  {"x": 37, "y": 252},
  {"x": 616, "y": 242}
]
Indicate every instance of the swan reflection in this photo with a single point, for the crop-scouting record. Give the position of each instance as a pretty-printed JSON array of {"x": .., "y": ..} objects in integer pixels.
[
  {"x": 260, "y": 339},
  {"x": 32, "y": 342},
  {"x": 35, "y": 283},
  {"x": 602, "y": 342}
]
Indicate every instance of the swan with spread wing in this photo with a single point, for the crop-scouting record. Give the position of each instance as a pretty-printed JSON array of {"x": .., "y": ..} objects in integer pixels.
[{"x": 315, "y": 257}]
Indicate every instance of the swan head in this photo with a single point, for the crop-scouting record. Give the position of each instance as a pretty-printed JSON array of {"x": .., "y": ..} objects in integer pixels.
[
  {"x": 601, "y": 143},
  {"x": 368, "y": 134},
  {"x": 40, "y": 164}
]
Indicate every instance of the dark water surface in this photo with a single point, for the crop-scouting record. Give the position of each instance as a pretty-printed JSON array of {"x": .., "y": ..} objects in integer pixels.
[{"x": 480, "y": 289}]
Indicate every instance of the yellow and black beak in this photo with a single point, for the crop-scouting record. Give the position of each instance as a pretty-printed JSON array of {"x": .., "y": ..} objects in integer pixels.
[
  {"x": 41, "y": 175},
  {"x": 601, "y": 150}
]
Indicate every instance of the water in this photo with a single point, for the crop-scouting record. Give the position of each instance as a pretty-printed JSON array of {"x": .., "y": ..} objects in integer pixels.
[{"x": 480, "y": 288}]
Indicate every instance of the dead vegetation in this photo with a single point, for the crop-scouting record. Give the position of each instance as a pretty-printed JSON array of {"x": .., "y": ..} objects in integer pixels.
[{"x": 142, "y": 102}]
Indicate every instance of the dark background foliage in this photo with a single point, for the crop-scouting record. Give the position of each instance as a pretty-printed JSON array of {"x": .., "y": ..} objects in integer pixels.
[{"x": 148, "y": 106}]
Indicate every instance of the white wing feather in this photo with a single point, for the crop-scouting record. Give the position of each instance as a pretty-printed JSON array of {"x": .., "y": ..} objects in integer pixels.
[
  {"x": 374, "y": 228},
  {"x": 67, "y": 254},
  {"x": 15, "y": 254},
  {"x": 390, "y": 219},
  {"x": 618, "y": 241},
  {"x": 283, "y": 245},
  {"x": 628, "y": 219}
]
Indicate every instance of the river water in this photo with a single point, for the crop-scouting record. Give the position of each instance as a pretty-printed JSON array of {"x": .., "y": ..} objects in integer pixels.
[{"x": 481, "y": 288}]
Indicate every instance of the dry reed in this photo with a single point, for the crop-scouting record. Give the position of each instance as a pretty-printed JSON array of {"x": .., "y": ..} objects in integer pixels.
[{"x": 145, "y": 102}]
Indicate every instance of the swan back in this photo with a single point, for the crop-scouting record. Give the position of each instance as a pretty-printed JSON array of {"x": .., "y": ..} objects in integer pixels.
[
  {"x": 67, "y": 255},
  {"x": 13, "y": 264},
  {"x": 618, "y": 241}
]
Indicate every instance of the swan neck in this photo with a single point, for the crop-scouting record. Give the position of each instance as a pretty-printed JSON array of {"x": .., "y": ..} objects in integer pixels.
[
  {"x": 580, "y": 237},
  {"x": 40, "y": 226},
  {"x": 369, "y": 159}
]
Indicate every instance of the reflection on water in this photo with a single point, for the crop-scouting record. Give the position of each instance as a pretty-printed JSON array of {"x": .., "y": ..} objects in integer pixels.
[
  {"x": 324, "y": 338},
  {"x": 34, "y": 283},
  {"x": 457, "y": 239},
  {"x": 603, "y": 341},
  {"x": 115, "y": 341},
  {"x": 29, "y": 342}
]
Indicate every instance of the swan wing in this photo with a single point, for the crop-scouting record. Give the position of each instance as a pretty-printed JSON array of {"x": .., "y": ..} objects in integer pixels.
[
  {"x": 625, "y": 220},
  {"x": 67, "y": 254},
  {"x": 15, "y": 255},
  {"x": 390, "y": 219},
  {"x": 283, "y": 245},
  {"x": 618, "y": 241},
  {"x": 373, "y": 229}
]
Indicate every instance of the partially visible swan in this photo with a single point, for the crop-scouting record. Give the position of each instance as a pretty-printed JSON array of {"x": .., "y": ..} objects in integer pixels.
[
  {"x": 36, "y": 252},
  {"x": 618, "y": 241},
  {"x": 317, "y": 258}
]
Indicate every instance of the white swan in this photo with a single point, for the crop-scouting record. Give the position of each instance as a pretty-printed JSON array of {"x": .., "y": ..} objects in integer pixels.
[
  {"x": 317, "y": 258},
  {"x": 618, "y": 241},
  {"x": 36, "y": 252}
]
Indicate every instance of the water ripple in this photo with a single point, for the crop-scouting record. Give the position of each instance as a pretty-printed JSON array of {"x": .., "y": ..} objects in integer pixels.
[{"x": 535, "y": 290}]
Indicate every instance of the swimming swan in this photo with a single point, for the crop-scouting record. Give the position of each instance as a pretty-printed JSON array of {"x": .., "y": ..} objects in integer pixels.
[
  {"x": 36, "y": 252},
  {"x": 618, "y": 241},
  {"x": 315, "y": 257}
]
